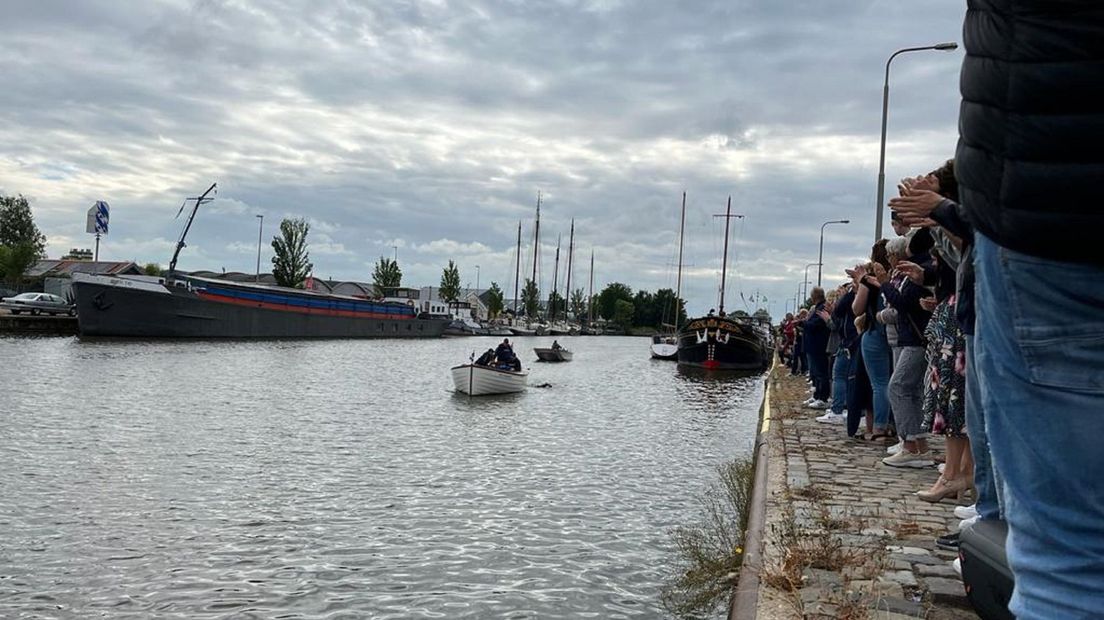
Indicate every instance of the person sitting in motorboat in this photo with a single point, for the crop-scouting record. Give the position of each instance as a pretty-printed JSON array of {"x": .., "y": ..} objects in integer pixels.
[
  {"x": 504, "y": 352},
  {"x": 486, "y": 359},
  {"x": 556, "y": 346}
]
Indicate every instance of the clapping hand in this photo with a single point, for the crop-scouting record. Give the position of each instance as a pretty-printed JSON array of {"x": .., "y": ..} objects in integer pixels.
[
  {"x": 913, "y": 271},
  {"x": 915, "y": 206},
  {"x": 928, "y": 303},
  {"x": 824, "y": 316}
]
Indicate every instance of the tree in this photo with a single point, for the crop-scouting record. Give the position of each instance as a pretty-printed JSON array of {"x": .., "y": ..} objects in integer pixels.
[
  {"x": 623, "y": 313},
  {"x": 14, "y": 262},
  {"x": 291, "y": 261},
  {"x": 17, "y": 225},
  {"x": 556, "y": 304},
  {"x": 607, "y": 299},
  {"x": 665, "y": 303},
  {"x": 578, "y": 303},
  {"x": 21, "y": 243},
  {"x": 151, "y": 269},
  {"x": 530, "y": 298},
  {"x": 645, "y": 311},
  {"x": 450, "y": 283},
  {"x": 496, "y": 300},
  {"x": 387, "y": 275}
]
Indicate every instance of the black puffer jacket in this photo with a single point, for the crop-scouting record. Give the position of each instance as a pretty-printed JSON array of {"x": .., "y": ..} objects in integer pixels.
[{"x": 1030, "y": 159}]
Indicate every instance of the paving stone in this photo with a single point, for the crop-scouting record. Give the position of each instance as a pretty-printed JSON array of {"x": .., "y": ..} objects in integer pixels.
[
  {"x": 889, "y": 615},
  {"x": 824, "y": 579},
  {"x": 906, "y": 550},
  {"x": 900, "y": 606},
  {"x": 947, "y": 592},
  {"x": 903, "y": 577},
  {"x": 937, "y": 570},
  {"x": 917, "y": 559}
]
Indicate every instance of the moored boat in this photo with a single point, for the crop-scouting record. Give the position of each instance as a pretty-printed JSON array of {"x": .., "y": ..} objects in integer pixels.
[
  {"x": 194, "y": 307},
  {"x": 187, "y": 306},
  {"x": 665, "y": 343},
  {"x": 551, "y": 354},
  {"x": 664, "y": 347},
  {"x": 479, "y": 380},
  {"x": 721, "y": 342}
]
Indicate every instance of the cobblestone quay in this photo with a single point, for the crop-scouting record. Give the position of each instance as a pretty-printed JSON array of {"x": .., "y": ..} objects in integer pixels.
[{"x": 845, "y": 536}]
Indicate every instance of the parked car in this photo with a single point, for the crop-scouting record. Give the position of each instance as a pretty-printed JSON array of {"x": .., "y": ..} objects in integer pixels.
[{"x": 38, "y": 303}]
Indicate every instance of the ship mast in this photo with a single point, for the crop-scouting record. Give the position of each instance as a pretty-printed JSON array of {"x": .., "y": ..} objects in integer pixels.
[
  {"x": 180, "y": 245},
  {"x": 678, "y": 280},
  {"x": 536, "y": 244},
  {"x": 517, "y": 272},
  {"x": 555, "y": 282},
  {"x": 570, "y": 253},
  {"x": 724, "y": 261},
  {"x": 590, "y": 296}
]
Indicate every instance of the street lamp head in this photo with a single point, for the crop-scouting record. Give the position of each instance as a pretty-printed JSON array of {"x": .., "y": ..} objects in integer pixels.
[
  {"x": 948, "y": 46},
  {"x": 845, "y": 221}
]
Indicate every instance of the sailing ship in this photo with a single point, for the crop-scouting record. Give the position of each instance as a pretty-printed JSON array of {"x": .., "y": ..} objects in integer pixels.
[
  {"x": 723, "y": 342},
  {"x": 187, "y": 306},
  {"x": 665, "y": 343}
]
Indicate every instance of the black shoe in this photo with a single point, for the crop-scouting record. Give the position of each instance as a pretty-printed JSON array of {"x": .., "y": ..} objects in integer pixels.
[{"x": 950, "y": 541}]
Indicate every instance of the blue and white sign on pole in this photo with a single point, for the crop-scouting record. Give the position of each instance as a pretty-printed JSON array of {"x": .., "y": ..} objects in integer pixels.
[{"x": 98, "y": 217}]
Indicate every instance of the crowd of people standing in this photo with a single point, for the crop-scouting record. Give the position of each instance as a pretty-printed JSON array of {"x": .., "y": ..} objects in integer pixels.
[{"x": 982, "y": 318}]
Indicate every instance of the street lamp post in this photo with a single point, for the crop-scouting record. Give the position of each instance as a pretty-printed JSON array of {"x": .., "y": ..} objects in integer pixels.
[
  {"x": 820, "y": 257},
  {"x": 805, "y": 295},
  {"x": 260, "y": 231},
  {"x": 885, "y": 113}
]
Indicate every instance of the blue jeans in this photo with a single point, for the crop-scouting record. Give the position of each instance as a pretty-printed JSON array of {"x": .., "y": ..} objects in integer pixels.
[
  {"x": 840, "y": 373},
  {"x": 879, "y": 367},
  {"x": 988, "y": 500},
  {"x": 1040, "y": 361}
]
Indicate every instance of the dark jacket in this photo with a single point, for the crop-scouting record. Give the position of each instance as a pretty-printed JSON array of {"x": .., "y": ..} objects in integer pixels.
[
  {"x": 1031, "y": 125},
  {"x": 816, "y": 331},
  {"x": 843, "y": 319},
  {"x": 952, "y": 217},
  {"x": 905, "y": 296}
]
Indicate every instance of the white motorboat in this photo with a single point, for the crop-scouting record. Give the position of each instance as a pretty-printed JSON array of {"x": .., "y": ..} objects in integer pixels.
[
  {"x": 553, "y": 355},
  {"x": 665, "y": 347},
  {"x": 477, "y": 380}
]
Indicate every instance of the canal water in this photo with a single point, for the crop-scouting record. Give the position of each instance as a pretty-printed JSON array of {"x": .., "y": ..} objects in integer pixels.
[{"x": 345, "y": 479}]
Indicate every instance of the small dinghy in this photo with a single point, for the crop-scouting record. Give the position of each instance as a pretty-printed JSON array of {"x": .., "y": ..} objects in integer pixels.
[
  {"x": 553, "y": 354},
  {"x": 665, "y": 347},
  {"x": 480, "y": 380}
]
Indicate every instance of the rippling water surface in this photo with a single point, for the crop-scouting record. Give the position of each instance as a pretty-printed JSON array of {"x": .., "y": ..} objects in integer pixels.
[{"x": 344, "y": 479}]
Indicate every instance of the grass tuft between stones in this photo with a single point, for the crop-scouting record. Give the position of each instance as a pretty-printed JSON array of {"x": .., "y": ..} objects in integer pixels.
[{"x": 711, "y": 552}]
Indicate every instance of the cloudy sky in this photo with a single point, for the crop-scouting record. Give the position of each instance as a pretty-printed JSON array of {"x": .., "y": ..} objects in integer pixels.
[{"x": 426, "y": 129}]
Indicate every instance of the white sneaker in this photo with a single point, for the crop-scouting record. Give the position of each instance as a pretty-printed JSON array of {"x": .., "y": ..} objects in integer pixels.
[
  {"x": 817, "y": 404},
  {"x": 895, "y": 448},
  {"x": 832, "y": 418},
  {"x": 942, "y": 466},
  {"x": 904, "y": 458},
  {"x": 957, "y": 566},
  {"x": 808, "y": 401},
  {"x": 966, "y": 512},
  {"x": 965, "y": 523}
]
